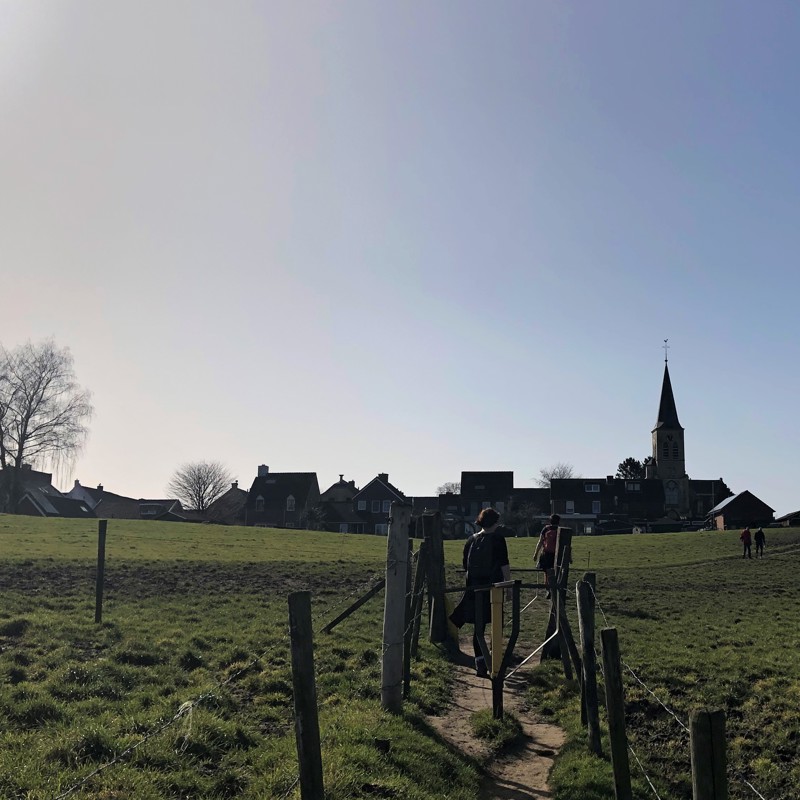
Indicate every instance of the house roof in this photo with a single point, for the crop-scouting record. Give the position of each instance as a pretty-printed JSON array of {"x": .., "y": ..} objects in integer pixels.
[
  {"x": 53, "y": 504},
  {"x": 228, "y": 504},
  {"x": 489, "y": 485},
  {"x": 383, "y": 480},
  {"x": 667, "y": 413},
  {"x": 278, "y": 485},
  {"x": 720, "y": 506},
  {"x": 788, "y": 516},
  {"x": 340, "y": 491}
]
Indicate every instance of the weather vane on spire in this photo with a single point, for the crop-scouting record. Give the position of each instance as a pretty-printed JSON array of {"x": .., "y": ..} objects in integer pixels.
[{"x": 666, "y": 347}]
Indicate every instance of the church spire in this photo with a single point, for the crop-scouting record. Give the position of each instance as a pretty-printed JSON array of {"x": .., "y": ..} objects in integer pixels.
[{"x": 667, "y": 413}]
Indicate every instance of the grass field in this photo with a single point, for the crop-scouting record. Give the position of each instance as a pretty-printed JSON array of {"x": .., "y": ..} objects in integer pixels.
[{"x": 191, "y": 607}]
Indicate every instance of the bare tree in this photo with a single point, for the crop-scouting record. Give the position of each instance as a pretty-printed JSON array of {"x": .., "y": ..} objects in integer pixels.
[
  {"x": 559, "y": 470},
  {"x": 454, "y": 487},
  {"x": 43, "y": 412},
  {"x": 199, "y": 483}
]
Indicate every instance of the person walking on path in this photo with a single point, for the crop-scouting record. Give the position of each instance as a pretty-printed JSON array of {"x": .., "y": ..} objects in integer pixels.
[
  {"x": 746, "y": 540},
  {"x": 545, "y": 550},
  {"x": 485, "y": 560},
  {"x": 760, "y": 540}
]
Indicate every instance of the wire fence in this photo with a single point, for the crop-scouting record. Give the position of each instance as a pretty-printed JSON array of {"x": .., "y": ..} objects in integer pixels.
[
  {"x": 185, "y": 710},
  {"x": 652, "y": 693}
]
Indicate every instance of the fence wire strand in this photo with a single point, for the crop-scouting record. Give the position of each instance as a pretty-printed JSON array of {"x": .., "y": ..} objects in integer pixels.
[{"x": 656, "y": 697}]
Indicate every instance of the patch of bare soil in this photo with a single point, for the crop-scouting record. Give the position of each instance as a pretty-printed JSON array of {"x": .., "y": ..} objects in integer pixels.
[{"x": 519, "y": 773}]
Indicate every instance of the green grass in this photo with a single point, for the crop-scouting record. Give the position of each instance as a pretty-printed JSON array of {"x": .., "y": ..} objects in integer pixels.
[
  {"x": 188, "y": 607},
  {"x": 699, "y": 626}
]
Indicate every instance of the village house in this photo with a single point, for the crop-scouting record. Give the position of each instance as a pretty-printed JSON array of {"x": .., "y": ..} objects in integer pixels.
[{"x": 281, "y": 499}]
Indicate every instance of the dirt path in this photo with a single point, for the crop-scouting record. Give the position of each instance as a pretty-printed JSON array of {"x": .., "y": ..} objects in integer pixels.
[{"x": 520, "y": 774}]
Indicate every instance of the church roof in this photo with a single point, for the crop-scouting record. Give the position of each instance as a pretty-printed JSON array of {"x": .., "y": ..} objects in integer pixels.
[{"x": 667, "y": 413}]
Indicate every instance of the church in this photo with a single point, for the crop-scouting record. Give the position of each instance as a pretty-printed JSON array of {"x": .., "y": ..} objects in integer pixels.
[{"x": 664, "y": 498}]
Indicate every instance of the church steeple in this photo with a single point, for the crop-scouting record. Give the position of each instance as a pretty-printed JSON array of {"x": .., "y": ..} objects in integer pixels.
[
  {"x": 668, "y": 454},
  {"x": 667, "y": 413}
]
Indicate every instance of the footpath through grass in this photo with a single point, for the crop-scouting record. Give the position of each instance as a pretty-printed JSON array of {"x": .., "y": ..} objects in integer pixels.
[
  {"x": 188, "y": 608},
  {"x": 698, "y": 626}
]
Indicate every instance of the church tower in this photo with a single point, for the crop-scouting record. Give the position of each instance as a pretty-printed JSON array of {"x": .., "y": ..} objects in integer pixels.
[
  {"x": 669, "y": 458},
  {"x": 668, "y": 452}
]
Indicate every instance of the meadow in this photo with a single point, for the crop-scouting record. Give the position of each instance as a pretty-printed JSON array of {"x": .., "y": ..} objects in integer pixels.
[{"x": 199, "y": 613}]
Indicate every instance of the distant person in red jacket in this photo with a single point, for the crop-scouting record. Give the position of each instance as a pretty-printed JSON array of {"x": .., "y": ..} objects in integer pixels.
[
  {"x": 546, "y": 546},
  {"x": 746, "y": 541},
  {"x": 760, "y": 540}
]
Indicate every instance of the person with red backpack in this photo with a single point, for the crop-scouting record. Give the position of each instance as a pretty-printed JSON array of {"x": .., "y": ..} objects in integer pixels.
[
  {"x": 485, "y": 560},
  {"x": 746, "y": 540},
  {"x": 546, "y": 547}
]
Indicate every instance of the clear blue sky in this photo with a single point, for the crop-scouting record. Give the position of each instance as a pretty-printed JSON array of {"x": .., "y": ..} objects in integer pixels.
[{"x": 408, "y": 237}]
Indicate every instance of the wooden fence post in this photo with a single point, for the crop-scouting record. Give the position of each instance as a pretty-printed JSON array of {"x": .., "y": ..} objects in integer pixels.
[
  {"x": 585, "y": 594},
  {"x": 102, "y": 525},
  {"x": 394, "y": 608},
  {"x": 432, "y": 526},
  {"x": 408, "y": 623},
  {"x": 709, "y": 760},
  {"x": 615, "y": 705},
  {"x": 306, "y": 721},
  {"x": 418, "y": 594}
]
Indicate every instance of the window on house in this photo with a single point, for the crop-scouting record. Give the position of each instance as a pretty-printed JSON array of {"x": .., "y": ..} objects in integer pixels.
[
  {"x": 595, "y": 506},
  {"x": 592, "y": 487},
  {"x": 382, "y": 529},
  {"x": 570, "y": 507},
  {"x": 588, "y": 528},
  {"x": 633, "y": 487},
  {"x": 259, "y": 503},
  {"x": 486, "y": 504},
  {"x": 290, "y": 503},
  {"x": 675, "y": 450},
  {"x": 342, "y": 527},
  {"x": 665, "y": 450},
  {"x": 376, "y": 506},
  {"x": 362, "y": 505},
  {"x": 500, "y": 507},
  {"x": 387, "y": 506}
]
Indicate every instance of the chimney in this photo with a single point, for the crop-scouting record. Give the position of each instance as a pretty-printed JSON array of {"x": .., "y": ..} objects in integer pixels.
[
  {"x": 235, "y": 485},
  {"x": 77, "y": 483},
  {"x": 99, "y": 487},
  {"x": 263, "y": 470},
  {"x": 383, "y": 476},
  {"x": 609, "y": 479},
  {"x": 341, "y": 477}
]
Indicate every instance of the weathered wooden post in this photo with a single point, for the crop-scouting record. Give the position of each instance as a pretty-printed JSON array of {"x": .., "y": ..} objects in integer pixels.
[
  {"x": 306, "y": 721},
  {"x": 561, "y": 570},
  {"x": 709, "y": 759},
  {"x": 102, "y": 525},
  {"x": 394, "y": 608},
  {"x": 418, "y": 593},
  {"x": 615, "y": 706},
  {"x": 432, "y": 527},
  {"x": 584, "y": 589},
  {"x": 408, "y": 623}
]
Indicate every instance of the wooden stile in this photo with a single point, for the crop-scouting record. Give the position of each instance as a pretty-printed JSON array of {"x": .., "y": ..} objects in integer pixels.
[{"x": 591, "y": 711}]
